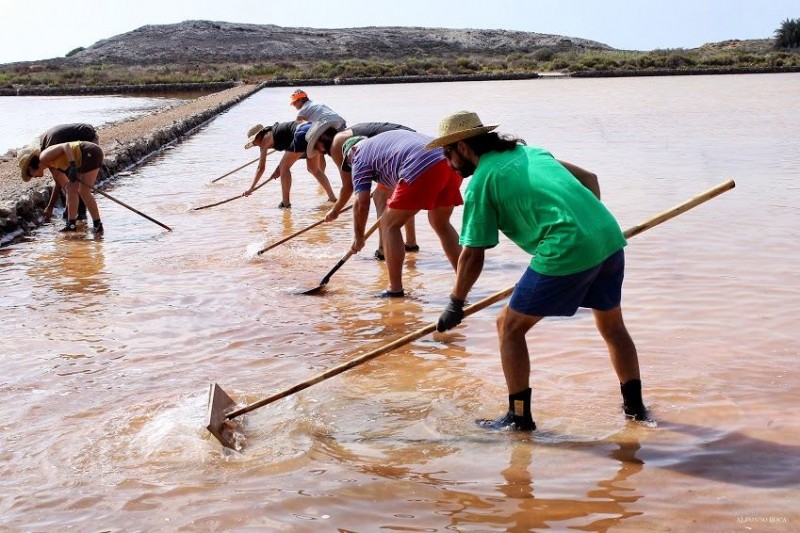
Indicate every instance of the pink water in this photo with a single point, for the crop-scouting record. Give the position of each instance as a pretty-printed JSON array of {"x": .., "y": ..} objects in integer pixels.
[{"x": 108, "y": 346}]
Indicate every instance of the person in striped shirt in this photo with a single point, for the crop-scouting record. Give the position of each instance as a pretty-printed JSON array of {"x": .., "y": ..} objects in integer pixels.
[
  {"x": 323, "y": 137},
  {"x": 420, "y": 179}
]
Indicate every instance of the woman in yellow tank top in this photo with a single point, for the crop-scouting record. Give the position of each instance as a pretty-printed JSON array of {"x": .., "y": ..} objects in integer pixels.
[{"x": 74, "y": 165}]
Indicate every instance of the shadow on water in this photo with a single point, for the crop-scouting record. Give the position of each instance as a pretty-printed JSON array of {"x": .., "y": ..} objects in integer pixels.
[{"x": 730, "y": 457}]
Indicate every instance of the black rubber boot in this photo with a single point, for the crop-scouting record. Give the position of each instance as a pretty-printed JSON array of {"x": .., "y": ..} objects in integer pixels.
[
  {"x": 632, "y": 403},
  {"x": 70, "y": 227},
  {"x": 98, "y": 227},
  {"x": 518, "y": 417},
  {"x": 81, "y": 210}
]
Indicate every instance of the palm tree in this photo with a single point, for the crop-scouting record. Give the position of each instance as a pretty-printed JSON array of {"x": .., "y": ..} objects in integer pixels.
[{"x": 788, "y": 35}]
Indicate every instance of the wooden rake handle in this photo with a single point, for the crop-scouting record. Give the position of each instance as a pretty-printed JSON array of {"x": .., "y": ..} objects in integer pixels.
[
  {"x": 349, "y": 254},
  {"x": 237, "y": 169},
  {"x": 295, "y": 234},
  {"x": 486, "y": 302},
  {"x": 232, "y": 198},
  {"x": 123, "y": 204}
]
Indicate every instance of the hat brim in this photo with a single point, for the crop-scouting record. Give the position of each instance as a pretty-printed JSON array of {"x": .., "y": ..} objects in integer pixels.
[
  {"x": 252, "y": 139},
  {"x": 444, "y": 140},
  {"x": 316, "y": 132},
  {"x": 25, "y": 164}
]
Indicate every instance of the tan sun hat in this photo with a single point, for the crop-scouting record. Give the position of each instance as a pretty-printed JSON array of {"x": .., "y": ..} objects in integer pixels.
[
  {"x": 252, "y": 133},
  {"x": 316, "y": 131},
  {"x": 25, "y": 157},
  {"x": 457, "y": 127}
]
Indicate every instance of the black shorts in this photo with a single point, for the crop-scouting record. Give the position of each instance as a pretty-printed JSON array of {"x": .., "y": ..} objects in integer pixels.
[{"x": 91, "y": 157}]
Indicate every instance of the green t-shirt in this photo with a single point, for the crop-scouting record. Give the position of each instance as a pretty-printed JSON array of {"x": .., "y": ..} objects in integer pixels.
[{"x": 538, "y": 204}]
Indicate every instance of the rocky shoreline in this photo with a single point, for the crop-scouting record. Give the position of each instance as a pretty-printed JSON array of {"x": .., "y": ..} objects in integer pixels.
[{"x": 126, "y": 144}]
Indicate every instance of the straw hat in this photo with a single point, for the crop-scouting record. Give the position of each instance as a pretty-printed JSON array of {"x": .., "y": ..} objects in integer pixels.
[
  {"x": 297, "y": 95},
  {"x": 25, "y": 161},
  {"x": 457, "y": 127},
  {"x": 252, "y": 133},
  {"x": 316, "y": 131}
]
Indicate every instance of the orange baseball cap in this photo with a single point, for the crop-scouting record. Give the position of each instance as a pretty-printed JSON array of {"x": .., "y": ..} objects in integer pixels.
[{"x": 297, "y": 95}]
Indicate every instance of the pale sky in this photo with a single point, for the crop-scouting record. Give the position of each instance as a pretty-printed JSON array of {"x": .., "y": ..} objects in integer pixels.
[{"x": 43, "y": 29}]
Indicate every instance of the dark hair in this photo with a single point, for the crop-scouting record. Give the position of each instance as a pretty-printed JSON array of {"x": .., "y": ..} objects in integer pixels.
[
  {"x": 263, "y": 132},
  {"x": 492, "y": 142},
  {"x": 327, "y": 138}
]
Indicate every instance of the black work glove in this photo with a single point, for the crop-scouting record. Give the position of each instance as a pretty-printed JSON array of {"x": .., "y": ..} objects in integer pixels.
[
  {"x": 452, "y": 315},
  {"x": 72, "y": 172}
]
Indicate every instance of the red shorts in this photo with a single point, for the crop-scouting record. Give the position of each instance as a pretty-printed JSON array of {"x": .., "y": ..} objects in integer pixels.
[{"x": 436, "y": 187}]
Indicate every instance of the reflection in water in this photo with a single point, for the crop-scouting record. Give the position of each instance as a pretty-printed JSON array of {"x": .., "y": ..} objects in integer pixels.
[
  {"x": 608, "y": 502},
  {"x": 73, "y": 267}
]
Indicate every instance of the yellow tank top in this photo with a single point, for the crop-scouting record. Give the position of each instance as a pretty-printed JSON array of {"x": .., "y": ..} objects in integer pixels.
[{"x": 62, "y": 162}]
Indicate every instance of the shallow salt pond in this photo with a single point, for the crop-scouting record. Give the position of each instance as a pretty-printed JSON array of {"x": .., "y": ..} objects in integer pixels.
[{"x": 109, "y": 345}]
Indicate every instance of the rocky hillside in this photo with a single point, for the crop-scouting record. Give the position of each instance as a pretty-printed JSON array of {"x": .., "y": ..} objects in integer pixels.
[{"x": 225, "y": 42}]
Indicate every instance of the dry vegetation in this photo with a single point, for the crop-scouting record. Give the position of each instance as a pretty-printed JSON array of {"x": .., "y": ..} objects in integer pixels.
[{"x": 225, "y": 52}]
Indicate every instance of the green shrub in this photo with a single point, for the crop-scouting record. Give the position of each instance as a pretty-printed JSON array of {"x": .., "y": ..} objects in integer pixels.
[
  {"x": 788, "y": 34},
  {"x": 543, "y": 54}
]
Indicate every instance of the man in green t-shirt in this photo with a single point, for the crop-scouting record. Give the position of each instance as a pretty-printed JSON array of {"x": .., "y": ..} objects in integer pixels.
[{"x": 552, "y": 210}]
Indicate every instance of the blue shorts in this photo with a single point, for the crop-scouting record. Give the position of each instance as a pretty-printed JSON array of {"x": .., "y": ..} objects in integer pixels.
[{"x": 599, "y": 287}]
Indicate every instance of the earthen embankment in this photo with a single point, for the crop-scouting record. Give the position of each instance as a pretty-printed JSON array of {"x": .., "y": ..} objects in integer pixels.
[{"x": 126, "y": 144}]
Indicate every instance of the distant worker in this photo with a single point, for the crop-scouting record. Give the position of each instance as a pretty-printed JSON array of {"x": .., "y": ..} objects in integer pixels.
[
  {"x": 418, "y": 179},
  {"x": 289, "y": 138},
  {"x": 74, "y": 165},
  {"x": 63, "y": 133},
  {"x": 324, "y": 138},
  {"x": 552, "y": 210},
  {"x": 308, "y": 111}
]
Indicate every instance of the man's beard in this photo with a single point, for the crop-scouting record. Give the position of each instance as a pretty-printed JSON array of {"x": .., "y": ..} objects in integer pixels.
[{"x": 466, "y": 169}]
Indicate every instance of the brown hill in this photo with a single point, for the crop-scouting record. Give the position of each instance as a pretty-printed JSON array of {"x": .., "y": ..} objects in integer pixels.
[{"x": 225, "y": 42}]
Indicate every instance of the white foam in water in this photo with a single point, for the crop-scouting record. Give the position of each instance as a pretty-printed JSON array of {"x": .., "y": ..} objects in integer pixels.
[
  {"x": 179, "y": 429},
  {"x": 252, "y": 250}
]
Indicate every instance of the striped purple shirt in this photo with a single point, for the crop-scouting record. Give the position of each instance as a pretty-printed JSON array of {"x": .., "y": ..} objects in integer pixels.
[{"x": 392, "y": 157}]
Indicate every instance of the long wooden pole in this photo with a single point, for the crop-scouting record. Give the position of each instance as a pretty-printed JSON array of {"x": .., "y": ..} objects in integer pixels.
[
  {"x": 232, "y": 198},
  {"x": 295, "y": 234},
  {"x": 486, "y": 302},
  {"x": 123, "y": 204},
  {"x": 237, "y": 169},
  {"x": 341, "y": 263}
]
